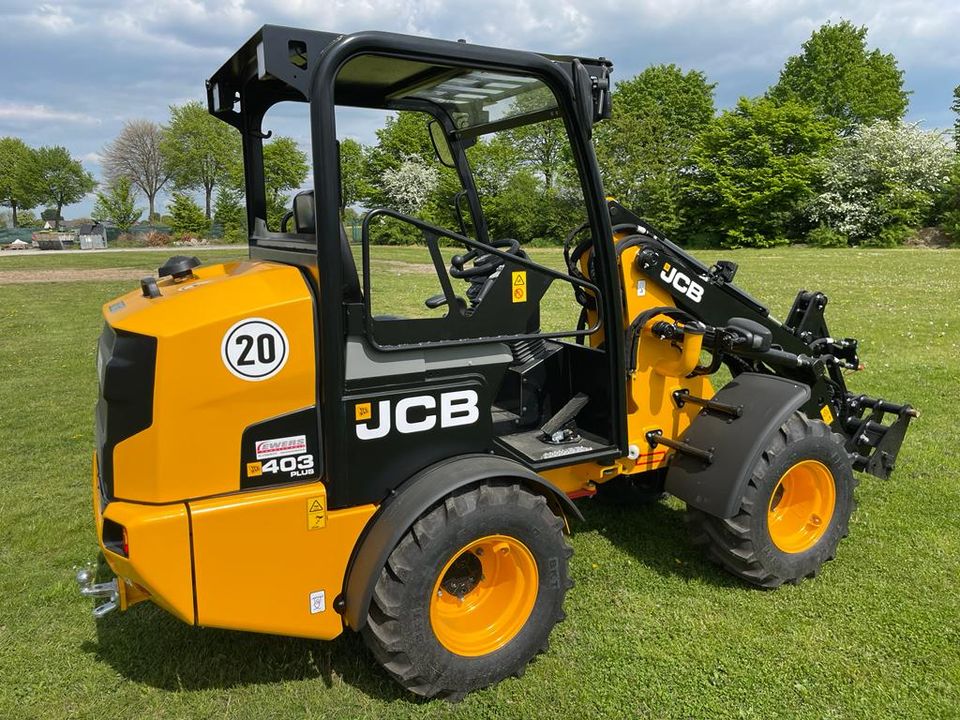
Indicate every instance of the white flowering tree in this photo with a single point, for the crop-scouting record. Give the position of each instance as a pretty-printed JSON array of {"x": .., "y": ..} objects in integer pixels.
[
  {"x": 410, "y": 184},
  {"x": 881, "y": 180}
]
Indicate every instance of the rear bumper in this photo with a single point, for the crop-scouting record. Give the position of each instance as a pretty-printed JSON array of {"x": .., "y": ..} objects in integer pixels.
[{"x": 159, "y": 565}]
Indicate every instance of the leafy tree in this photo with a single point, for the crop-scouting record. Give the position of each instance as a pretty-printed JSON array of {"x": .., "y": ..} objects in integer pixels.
[
  {"x": 543, "y": 146},
  {"x": 51, "y": 215},
  {"x": 955, "y": 106},
  {"x": 18, "y": 189},
  {"x": 284, "y": 169},
  {"x": 136, "y": 155},
  {"x": 644, "y": 149},
  {"x": 118, "y": 205},
  {"x": 228, "y": 210},
  {"x": 27, "y": 219},
  {"x": 199, "y": 149},
  {"x": 841, "y": 79},
  {"x": 947, "y": 210},
  {"x": 60, "y": 180},
  {"x": 753, "y": 170},
  {"x": 353, "y": 181},
  {"x": 403, "y": 139},
  {"x": 187, "y": 217},
  {"x": 881, "y": 181}
]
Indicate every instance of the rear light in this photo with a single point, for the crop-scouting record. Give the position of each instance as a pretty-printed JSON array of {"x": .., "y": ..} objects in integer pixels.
[{"x": 115, "y": 538}]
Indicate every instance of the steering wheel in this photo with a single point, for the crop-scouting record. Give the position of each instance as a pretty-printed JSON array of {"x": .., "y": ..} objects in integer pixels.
[{"x": 484, "y": 266}]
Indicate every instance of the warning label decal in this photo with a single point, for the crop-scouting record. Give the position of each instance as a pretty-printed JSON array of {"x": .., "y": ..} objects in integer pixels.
[
  {"x": 519, "y": 284},
  {"x": 316, "y": 513}
]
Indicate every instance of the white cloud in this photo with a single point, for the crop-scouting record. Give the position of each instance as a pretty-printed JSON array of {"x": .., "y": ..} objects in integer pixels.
[
  {"x": 23, "y": 112},
  {"x": 52, "y": 18}
]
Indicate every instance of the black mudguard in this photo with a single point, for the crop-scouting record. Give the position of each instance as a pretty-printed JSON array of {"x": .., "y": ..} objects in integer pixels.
[
  {"x": 410, "y": 501},
  {"x": 716, "y": 488}
]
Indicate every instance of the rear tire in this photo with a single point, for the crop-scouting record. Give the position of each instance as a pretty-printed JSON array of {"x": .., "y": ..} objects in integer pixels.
[
  {"x": 494, "y": 551},
  {"x": 794, "y": 511}
]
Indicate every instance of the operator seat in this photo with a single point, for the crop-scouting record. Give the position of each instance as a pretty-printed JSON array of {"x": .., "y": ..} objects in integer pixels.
[{"x": 304, "y": 215}]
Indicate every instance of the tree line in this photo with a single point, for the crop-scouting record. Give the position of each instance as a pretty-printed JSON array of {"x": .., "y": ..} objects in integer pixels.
[
  {"x": 44, "y": 176},
  {"x": 193, "y": 154},
  {"x": 824, "y": 156}
]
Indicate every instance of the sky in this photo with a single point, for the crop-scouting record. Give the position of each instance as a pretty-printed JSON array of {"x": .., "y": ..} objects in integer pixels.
[{"x": 76, "y": 70}]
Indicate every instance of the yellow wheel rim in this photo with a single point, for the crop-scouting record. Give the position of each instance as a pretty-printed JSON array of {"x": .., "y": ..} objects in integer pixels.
[
  {"x": 801, "y": 506},
  {"x": 484, "y": 595}
]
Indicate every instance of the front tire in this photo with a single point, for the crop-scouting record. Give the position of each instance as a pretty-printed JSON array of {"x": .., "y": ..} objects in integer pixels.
[
  {"x": 471, "y": 592},
  {"x": 794, "y": 511}
]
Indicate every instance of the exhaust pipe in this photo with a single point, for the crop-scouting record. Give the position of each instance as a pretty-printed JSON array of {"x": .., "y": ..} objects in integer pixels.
[{"x": 109, "y": 590}]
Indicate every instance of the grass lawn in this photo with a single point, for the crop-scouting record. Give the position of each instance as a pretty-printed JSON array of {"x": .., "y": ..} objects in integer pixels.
[{"x": 652, "y": 630}]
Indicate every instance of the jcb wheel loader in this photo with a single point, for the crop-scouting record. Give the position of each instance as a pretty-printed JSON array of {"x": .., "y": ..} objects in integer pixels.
[{"x": 274, "y": 455}]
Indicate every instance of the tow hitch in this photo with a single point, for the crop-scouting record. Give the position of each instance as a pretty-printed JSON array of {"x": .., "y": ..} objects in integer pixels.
[{"x": 109, "y": 590}]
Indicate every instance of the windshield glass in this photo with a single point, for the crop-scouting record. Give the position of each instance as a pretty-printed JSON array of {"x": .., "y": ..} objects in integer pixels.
[{"x": 477, "y": 98}]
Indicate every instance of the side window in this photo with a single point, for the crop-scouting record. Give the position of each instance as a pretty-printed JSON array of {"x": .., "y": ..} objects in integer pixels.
[
  {"x": 425, "y": 279},
  {"x": 387, "y": 161},
  {"x": 287, "y": 161},
  {"x": 529, "y": 190}
]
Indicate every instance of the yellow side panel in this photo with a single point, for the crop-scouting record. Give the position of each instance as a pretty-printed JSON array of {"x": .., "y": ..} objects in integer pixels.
[
  {"x": 262, "y": 558},
  {"x": 192, "y": 449},
  {"x": 650, "y": 402},
  {"x": 159, "y": 562}
]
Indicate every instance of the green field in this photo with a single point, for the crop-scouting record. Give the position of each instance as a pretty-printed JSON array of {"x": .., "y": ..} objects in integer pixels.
[{"x": 653, "y": 630}]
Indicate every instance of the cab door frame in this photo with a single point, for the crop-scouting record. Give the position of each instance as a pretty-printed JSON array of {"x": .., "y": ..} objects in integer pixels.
[{"x": 562, "y": 80}]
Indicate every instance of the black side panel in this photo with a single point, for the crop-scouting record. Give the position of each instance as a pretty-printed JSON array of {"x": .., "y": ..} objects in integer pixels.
[
  {"x": 126, "y": 365},
  {"x": 280, "y": 450},
  {"x": 417, "y": 494},
  {"x": 377, "y": 465},
  {"x": 767, "y": 400}
]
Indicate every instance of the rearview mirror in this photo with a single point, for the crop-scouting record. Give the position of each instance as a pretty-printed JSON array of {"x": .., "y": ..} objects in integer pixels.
[{"x": 440, "y": 145}]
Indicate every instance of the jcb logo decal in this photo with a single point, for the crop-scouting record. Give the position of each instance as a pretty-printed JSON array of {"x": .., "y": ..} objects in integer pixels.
[
  {"x": 682, "y": 282},
  {"x": 418, "y": 413}
]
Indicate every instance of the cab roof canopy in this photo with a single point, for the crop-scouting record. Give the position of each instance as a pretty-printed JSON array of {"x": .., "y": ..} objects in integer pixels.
[{"x": 278, "y": 63}]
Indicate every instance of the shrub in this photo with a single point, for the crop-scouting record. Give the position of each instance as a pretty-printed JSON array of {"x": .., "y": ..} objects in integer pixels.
[
  {"x": 154, "y": 238},
  {"x": 890, "y": 236},
  {"x": 950, "y": 222},
  {"x": 824, "y": 236},
  {"x": 881, "y": 180},
  {"x": 187, "y": 217}
]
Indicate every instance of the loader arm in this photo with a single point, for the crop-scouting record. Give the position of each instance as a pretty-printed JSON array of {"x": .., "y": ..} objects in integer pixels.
[{"x": 800, "y": 349}]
